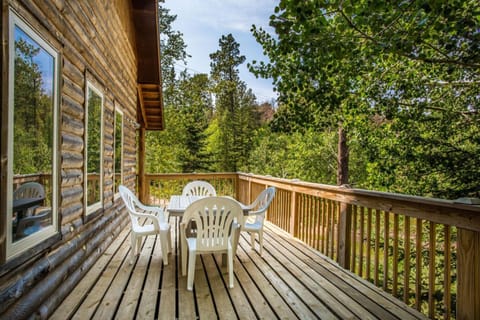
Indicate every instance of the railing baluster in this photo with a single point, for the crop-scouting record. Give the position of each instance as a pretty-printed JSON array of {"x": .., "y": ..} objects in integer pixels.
[
  {"x": 386, "y": 243},
  {"x": 327, "y": 227},
  {"x": 369, "y": 240},
  {"x": 334, "y": 243},
  {"x": 353, "y": 233},
  {"x": 418, "y": 265},
  {"x": 406, "y": 267},
  {"x": 318, "y": 231},
  {"x": 324, "y": 223},
  {"x": 377, "y": 246},
  {"x": 446, "y": 274},
  {"x": 362, "y": 242},
  {"x": 395, "y": 256},
  {"x": 431, "y": 271}
]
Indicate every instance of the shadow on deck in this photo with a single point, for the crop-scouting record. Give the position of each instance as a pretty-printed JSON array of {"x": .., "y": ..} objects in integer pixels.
[{"x": 290, "y": 281}]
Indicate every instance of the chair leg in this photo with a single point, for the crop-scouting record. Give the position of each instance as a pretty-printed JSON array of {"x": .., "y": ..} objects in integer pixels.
[
  {"x": 164, "y": 244},
  {"x": 170, "y": 247},
  {"x": 252, "y": 240},
  {"x": 184, "y": 249},
  {"x": 260, "y": 240},
  {"x": 230, "y": 267},
  {"x": 191, "y": 269},
  {"x": 133, "y": 246}
]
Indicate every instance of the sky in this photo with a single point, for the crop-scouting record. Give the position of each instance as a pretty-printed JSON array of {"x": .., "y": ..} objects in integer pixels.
[{"x": 203, "y": 22}]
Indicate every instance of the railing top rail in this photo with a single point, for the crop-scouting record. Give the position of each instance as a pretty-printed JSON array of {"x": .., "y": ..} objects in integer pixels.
[
  {"x": 437, "y": 210},
  {"x": 192, "y": 175}
]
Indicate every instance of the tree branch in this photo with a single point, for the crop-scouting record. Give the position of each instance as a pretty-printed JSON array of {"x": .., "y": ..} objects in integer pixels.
[{"x": 407, "y": 54}]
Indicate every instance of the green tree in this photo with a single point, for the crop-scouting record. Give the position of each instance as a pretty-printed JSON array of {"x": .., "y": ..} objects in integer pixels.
[
  {"x": 194, "y": 114},
  {"x": 33, "y": 124},
  {"x": 401, "y": 77},
  {"x": 162, "y": 151},
  {"x": 235, "y": 107}
]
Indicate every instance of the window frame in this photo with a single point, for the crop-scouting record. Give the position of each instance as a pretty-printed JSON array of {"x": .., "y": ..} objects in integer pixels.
[
  {"x": 14, "y": 249},
  {"x": 90, "y": 209},
  {"x": 120, "y": 112}
]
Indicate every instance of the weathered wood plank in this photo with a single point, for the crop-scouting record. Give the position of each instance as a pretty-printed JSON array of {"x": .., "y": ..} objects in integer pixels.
[
  {"x": 266, "y": 287},
  {"x": 289, "y": 281},
  {"x": 332, "y": 298},
  {"x": 151, "y": 290},
  {"x": 95, "y": 297},
  {"x": 280, "y": 281},
  {"x": 203, "y": 294},
  {"x": 258, "y": 304},
  {"x": 365, "y": 293},
  {"x": 73, "y": 300},
  {"x": 134, "y": 289}
]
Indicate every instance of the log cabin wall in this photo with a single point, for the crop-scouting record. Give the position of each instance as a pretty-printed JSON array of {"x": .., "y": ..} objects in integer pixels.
[{"x": 96, "y": 44}]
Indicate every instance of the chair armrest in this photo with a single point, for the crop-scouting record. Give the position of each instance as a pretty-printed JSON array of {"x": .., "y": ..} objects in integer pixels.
[
  {"x": 40, "y": 216},
  {"x": 155, "y": 219},
  {"x": 157, "y": 211},
  {"x": 256, "y": 212}
]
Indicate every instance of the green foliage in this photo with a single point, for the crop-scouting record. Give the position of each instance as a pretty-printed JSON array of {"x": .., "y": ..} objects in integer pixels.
[
  {"x": 401, "y": 77},
  {"x": 95, "y": 106},
  {"x": 307, "y": 156},
  {"x": 235, "y": 108}
]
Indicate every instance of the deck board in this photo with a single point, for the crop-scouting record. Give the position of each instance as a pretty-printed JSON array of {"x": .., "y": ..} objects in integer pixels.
[{"x": 289, "y": 281}]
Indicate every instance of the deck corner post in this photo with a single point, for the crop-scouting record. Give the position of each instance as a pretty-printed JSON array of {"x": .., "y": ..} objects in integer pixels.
[
  {"x": 468, "y": 272},
  {"x": 141, "y": 166},
  {"x": 344, "y": 235}
]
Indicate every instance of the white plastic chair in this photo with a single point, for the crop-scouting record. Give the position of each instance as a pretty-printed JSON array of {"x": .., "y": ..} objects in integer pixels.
[
  {"x": 158, "y": 225},
  {"x": 256, "y": 216},
  {"x": 217, "y": 220},
  {"x": 30, "y": 190},
  {"x": 199, "y": 188}
]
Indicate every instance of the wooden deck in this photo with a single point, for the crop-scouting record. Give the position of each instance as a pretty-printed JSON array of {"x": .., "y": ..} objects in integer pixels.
[{"x": 290, "y": 281}]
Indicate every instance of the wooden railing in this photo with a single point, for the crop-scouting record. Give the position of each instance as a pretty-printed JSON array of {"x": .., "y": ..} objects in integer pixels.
[
  {"x": 423, "y": 251},
  {"x": 159, "y": 187}
]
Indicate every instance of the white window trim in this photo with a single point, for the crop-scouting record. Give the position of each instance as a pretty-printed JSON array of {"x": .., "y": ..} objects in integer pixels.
[
  {"x": 117, "y": 109},
  {"x": 99, "y": 204},
  {"x": 15, "y": 248}
]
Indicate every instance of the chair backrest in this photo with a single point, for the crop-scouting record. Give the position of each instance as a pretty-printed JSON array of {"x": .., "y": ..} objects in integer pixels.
[
  {"x": 262, "y": 202},
  {"x": 199, "y": 188},
  {"x": 213, "y": 217},
  {"x": 129, "y": 199},
  {"x": 29, "y": 190}
]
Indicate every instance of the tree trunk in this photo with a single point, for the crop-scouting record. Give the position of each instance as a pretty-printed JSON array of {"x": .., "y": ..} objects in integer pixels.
[{"x": 342, "y": 171}]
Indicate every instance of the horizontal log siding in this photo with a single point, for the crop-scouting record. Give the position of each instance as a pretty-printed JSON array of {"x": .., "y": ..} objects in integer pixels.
[{"x": 93, "y": 45}]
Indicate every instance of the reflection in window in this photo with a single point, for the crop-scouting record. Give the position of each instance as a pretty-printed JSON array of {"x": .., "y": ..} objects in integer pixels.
[
  {"x": 31, "y": 138},
  {"x": 94, "y": 147},
  {"x": 118, "y": 138}
]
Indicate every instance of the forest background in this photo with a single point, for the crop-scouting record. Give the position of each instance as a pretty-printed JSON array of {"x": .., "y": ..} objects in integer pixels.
[{"x": 380, "y": 96}]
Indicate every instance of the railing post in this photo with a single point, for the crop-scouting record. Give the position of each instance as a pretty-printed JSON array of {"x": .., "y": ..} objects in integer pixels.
[
  {"x": 344, "y": 235},
  {"x": 468, "y": 272}
]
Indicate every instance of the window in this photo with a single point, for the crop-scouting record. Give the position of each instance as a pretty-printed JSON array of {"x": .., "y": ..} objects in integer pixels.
[
  {"x": 32, "y": 138},
  {"x": 94, "y": 143},
  {"x": 118, "y": 147}
]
